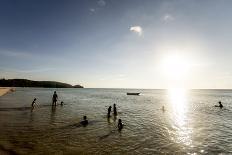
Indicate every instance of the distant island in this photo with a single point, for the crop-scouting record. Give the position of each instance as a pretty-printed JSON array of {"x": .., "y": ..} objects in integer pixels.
[{"x": 30, "y": 83}]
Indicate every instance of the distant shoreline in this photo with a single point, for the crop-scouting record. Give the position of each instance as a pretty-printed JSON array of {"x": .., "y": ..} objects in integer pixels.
[{"x": 36, "y": 84}]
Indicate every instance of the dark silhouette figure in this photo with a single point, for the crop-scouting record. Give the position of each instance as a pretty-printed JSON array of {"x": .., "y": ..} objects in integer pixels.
[
  {"x": 33, "y": 103},
  {"x": 220, "y": 104},
  {"x": 61, "y": 103},
  {"x": 120, "y": 125},
  {"x": 109, "y": 111},
  {"x": 54, "y": 98},
  {"x": 115, "y": 110},
  {"x": 85, "y": 121},
  {"x": 163, "y": 109}
]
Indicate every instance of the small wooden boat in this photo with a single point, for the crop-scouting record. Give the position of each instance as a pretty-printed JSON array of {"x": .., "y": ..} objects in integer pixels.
[{"x": 132, "y": 93}]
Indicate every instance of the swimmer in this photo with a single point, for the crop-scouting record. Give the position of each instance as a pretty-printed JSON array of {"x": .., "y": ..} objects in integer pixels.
[
  {"x": 61, "y": 103},
  {"x": 220, "y": 104},
  {"x": 85, "y": 121},
  {"x": 120, "y": 124}
]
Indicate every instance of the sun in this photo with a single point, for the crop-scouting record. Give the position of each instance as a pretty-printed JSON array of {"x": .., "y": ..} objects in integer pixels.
[{"x": 175, "y": 67}]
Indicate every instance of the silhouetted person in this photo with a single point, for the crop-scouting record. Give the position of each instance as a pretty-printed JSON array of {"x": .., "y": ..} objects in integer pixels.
[
  {"x": 120, "y": 125},
  {"x": 163, "y": 109},
  {"x": 115, "y": 110},
  {"x": 54, "y": 98},
  {"x": 61, "y": 103},
  {"x": 220, "y": 104},
  {"x": 33, "y": 103},
  {"x": 109, "y": 111},
  {"x": 85, "y": 121}
]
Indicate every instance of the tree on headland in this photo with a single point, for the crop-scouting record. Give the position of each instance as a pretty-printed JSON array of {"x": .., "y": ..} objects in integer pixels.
[{"x": 30, "y": 83}]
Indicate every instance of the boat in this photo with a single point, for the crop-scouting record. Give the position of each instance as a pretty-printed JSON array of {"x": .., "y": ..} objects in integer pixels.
[{"x": 132, "y": 93}]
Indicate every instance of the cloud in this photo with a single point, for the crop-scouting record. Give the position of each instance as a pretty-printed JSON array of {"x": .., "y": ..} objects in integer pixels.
[
  {"x": 95, "y": 9},
  {"x": 137, "y": 29},
  {"x": 92, "y": 10},
  {"x": 168, "y": 18},
  {"x": 101, "y": 3}
]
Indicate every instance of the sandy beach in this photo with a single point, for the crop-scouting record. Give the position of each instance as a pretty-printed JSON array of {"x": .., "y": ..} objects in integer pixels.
[{"x": 5, "y": 90}]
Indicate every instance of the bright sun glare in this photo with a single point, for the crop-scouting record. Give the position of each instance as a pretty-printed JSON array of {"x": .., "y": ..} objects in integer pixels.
[{"x": 175, "y": 67}]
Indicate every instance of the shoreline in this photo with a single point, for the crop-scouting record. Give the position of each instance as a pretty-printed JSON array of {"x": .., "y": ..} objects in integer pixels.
[{"x": 5, "y": 90}]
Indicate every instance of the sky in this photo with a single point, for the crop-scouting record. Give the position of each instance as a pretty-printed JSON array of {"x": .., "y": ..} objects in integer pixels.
[{"x": 152, "y": 44}]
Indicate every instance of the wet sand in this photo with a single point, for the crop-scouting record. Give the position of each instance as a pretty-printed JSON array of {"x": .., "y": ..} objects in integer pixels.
[
  {"x": 4, "y": 152},
  {"x": 5, "y": 90}
]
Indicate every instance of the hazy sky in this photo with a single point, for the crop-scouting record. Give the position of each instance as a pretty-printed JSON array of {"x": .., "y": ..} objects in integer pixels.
[{"x": 118, "y": 43}]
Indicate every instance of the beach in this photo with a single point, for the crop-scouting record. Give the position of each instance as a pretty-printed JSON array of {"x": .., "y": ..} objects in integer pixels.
[{"x": 5, "y": 90}]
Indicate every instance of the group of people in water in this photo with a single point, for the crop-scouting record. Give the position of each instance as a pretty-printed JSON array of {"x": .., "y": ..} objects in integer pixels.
[
  {"x": 109, "y": 110},
  {"x": 120, "y": 124},
  {"x": 84, "y": 122}
]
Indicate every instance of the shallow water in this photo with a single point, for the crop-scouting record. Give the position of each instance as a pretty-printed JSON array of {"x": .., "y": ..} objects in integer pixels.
[{"x": 190, "y": 123}]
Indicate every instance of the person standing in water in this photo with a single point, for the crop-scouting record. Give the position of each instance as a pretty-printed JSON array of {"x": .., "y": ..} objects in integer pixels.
[
  {"x": 115, "y": 109},
  {"x": 120, "y": 124},
  {"x": 109, "y": 111},
  {"x": 163, "y": 109},
  {"x": 33, "y": 103},
  {"x": 54, "y": 98}
]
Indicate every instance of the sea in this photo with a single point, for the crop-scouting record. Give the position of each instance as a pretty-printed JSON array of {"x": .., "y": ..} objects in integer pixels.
[{"x": 172, "y": 121}]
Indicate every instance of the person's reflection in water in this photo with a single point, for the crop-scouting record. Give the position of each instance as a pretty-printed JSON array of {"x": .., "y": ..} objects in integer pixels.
[
  {"x": 115, "y": 118},
  {"x": 53, "y": 112},
  {"x": 108, "y": 120},
  {"x": 31, "y": 117}
]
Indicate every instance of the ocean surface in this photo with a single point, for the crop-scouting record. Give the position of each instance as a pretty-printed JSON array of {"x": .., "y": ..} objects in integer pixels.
[{"x": 190, "y": 124}]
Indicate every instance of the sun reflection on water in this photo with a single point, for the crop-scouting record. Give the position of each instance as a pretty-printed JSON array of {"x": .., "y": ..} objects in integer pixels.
[{"x": 179, "y": 106}]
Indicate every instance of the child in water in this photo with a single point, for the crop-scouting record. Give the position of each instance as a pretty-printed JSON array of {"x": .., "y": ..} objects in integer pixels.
[
  {"x": 163, "y": 109},
  {"x": 109, "y": 111},
  {"x": 220, "y": 104},
  {"x": 115, "y": 109},
  {"x": 120, "y": 124},
  {"x": 85, "y": 121}
]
